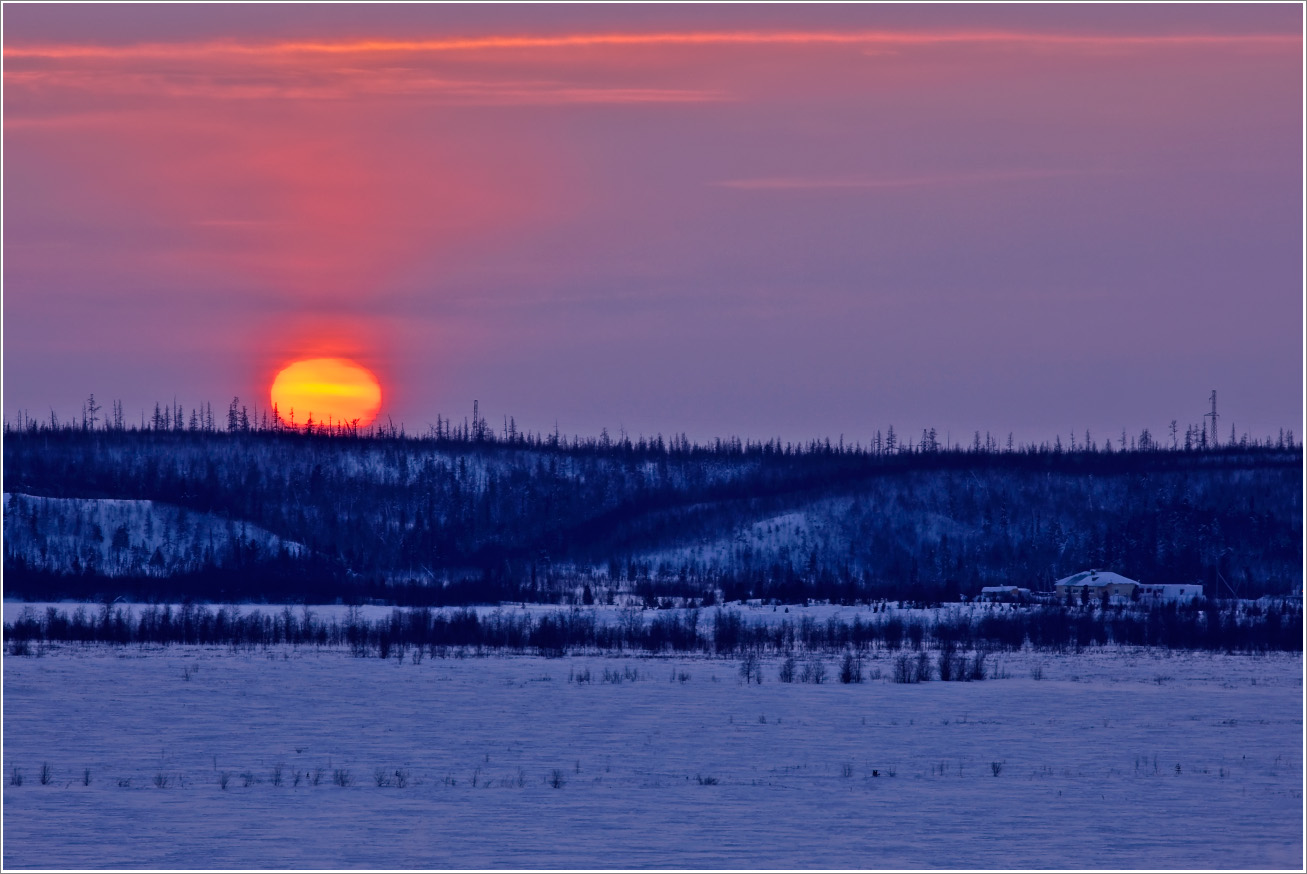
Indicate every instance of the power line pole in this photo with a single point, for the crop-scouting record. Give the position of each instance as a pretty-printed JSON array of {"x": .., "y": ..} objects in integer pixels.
[{"x": 1213, "y": 417}]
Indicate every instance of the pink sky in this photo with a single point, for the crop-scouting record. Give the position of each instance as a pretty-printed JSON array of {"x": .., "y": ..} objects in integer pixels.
[{"x": 764, "y": 221}]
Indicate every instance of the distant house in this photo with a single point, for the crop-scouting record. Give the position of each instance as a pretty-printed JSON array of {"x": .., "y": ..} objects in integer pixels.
[
  {"x": 1094, "y": 583},
  {"x": 1004, "y": 593},
  {"x": 1171, "y": 592}
]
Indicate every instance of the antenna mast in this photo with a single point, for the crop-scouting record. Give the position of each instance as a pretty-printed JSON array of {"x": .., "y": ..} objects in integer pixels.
[{"x": 1213, "y": 417}]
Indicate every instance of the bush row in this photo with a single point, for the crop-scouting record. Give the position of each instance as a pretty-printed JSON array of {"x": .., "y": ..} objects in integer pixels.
[{"x": 1219, "y": 627}]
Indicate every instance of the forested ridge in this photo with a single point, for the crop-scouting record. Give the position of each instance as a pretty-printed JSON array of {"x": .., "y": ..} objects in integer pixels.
[{"x": 464, "y": 517}]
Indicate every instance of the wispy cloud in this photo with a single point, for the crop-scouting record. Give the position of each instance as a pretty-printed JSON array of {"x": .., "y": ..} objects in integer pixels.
[
  {"x": 237, "y": 224},
  {"x": 420, "y": 68},
  {"x": 856, "y": 183},
  {"x": 344, "y": 84},
  {"x": 268, "y": 50}
]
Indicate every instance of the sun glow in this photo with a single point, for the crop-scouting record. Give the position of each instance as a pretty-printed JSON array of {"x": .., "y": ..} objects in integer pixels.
[{"x": 326, "y": 390}]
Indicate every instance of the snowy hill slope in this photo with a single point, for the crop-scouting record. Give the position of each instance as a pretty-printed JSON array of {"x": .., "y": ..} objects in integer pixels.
[
  {"x": 123, "y": 537},
  {"x": 822, "y": 533}
]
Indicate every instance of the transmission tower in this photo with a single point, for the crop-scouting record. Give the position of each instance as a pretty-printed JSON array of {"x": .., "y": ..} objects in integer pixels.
[{"x": 1212, "y": 415}]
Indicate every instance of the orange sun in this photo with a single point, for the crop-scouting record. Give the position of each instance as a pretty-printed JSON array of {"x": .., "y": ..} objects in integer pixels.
[{"x": 334, "y": 390}]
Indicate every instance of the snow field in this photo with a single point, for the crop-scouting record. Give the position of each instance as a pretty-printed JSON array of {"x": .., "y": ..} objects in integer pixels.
[{"x": 1116, "y": 758}]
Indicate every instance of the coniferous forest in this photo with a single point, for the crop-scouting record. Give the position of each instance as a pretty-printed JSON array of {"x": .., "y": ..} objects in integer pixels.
[{"x": 467, "y": 514}]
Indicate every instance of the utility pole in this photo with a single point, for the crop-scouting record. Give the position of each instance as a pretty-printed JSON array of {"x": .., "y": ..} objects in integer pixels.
[{"x": 1213, "y": 417}]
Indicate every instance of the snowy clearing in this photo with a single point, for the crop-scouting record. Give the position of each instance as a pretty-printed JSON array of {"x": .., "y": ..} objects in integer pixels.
[{"x": 1115, "y": 758}]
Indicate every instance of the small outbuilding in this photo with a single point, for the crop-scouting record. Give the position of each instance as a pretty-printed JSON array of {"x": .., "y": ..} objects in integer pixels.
[{"x": 1004, "y": 594}]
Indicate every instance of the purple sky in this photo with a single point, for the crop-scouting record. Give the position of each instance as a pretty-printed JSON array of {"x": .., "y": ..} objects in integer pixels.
[{"x": 763, "y": 221}]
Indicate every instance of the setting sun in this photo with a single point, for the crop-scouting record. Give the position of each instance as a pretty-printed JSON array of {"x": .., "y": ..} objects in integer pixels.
[{"x": 326, "y": 390}]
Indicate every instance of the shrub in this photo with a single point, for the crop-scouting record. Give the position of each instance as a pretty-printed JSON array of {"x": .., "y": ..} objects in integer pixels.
[
  {"x": 86, "y": 776},
  {"x": 1037, "y": 672},
  {"x": 977, "y": 671},
  {"x": 706, "y": 781},
  {"x": 382, "y": 777},
  {"x": 751, "y": 669},
  {"x": 316, "y": 779},
  {"x": 161, "y": 780},
  {"x": 923, "y": 667},
  {"x": 814, "y": 671},
  {"x": 787, "y": 670},
  {"x": 401, "y": 778},
  {"x": 340, "y": 777},
  {"x": 851, "y": 669},
  {"x": 223, "y": 779},
  {"x": 47, "y": 774},
  {"x": 15, "y": 777},
  {"x": 557, "y": 779},
  {"x": 247, "y": 778},
  {"x": 996, "y": 768},
  {"x": 905, "y": 670},
  {"x": 952, "y": 666},
  {"x": 947, "y": 660},
  {"x": 276, "y": 775}
]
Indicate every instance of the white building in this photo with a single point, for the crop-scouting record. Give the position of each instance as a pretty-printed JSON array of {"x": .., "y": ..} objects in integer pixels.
[{"x": 1171, "y": 592}]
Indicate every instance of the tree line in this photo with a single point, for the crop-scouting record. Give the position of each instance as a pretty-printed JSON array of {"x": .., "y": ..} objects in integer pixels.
[
  {"x": 172, "y": 417},
  {"x": 1215, "y": 626}
]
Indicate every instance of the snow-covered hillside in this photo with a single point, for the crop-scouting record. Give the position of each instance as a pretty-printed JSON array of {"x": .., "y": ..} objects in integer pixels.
[{"x": 121, "y": 537}]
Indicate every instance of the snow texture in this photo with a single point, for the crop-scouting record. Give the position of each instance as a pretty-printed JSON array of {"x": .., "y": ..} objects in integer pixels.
[
  {"x": 1114, "y": 758},
  {"x": 125, "y": 537}
]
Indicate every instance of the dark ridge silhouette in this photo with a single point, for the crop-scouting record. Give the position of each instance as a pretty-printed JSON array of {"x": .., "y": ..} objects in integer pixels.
[{"x": 461, "y": 515}]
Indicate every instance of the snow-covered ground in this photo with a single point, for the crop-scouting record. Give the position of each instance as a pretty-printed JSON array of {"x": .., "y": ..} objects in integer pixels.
[{"x": 1115, "y": 758}]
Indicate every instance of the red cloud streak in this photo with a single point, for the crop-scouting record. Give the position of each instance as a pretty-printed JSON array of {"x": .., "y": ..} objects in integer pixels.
[{"x": 708, "y": 38}]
